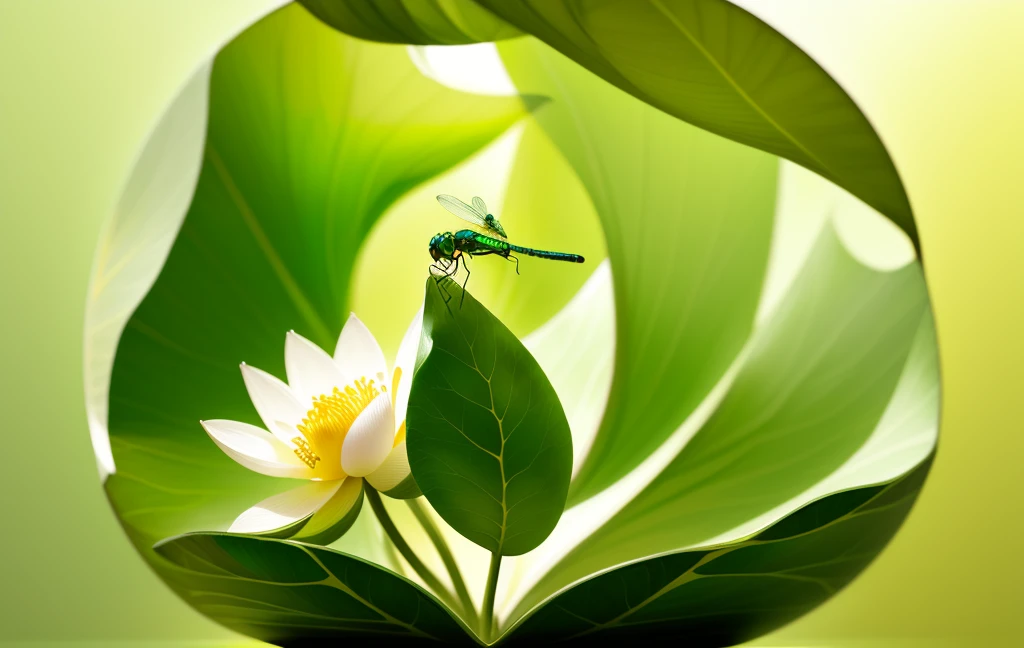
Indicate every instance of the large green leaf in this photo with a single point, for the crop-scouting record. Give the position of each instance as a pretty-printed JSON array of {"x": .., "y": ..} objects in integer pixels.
[
  {"x": 289, "y": 593},
  {"x": 312, "y": 134},
  {"x": 687, "y": 218},
  {"x": 488, "y": 441},
  {"x": 722, "y": 596},
  {"x": 717, "y": 66},
  {"x": 817, "y": 381},
  {"x": 416, "y": 22}
]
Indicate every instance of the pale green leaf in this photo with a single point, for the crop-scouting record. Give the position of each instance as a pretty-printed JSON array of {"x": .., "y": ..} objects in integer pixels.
[
  {"x": 687, "y": 218},
  {"x": 717, "y": 66},
  {"x": 810, "y": 391},
  {"x": 576, "y": 349},
  {"x": 136, "y": 241}
]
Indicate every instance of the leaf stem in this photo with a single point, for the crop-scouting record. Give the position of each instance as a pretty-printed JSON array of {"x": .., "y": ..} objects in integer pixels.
[
  {"x": 403, "y": 547},
  {"x": 487, "y": 625},
  {"x": 446, "y": 557}
]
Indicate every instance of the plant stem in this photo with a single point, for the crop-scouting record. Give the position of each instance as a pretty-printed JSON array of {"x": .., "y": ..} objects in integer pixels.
[
  {"x": 487, "y": 625},
  {"x": 446, "y": 557},
  {"x": 403, "y": 547}
]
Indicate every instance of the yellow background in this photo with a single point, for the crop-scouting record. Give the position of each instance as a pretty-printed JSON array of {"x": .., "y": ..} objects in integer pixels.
[{"x": 81, "y": 84}]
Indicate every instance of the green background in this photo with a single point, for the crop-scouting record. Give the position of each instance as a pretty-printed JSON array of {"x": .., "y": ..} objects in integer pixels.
[{"x": 82, "y": 83}]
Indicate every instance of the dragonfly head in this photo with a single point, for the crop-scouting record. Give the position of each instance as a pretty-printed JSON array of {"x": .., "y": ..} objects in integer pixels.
[{"x": 442, "y": 246}]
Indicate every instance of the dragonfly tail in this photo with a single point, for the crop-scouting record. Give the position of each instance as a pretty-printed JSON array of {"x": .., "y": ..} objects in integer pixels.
[{"x": 544, "y": 254}]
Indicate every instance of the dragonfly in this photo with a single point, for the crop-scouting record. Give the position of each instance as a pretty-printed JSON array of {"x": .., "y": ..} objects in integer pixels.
[{"x": 448, "y": 249}]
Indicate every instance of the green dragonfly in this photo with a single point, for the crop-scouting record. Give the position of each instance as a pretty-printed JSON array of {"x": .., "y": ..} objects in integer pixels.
[{"x": 449, "y": 249}]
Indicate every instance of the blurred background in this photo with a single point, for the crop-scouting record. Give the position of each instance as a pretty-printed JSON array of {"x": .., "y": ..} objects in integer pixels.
[{"x": 83, "y": 82}]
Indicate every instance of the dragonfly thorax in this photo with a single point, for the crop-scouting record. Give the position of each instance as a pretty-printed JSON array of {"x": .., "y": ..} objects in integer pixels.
[{"x": 442, "y": 246}]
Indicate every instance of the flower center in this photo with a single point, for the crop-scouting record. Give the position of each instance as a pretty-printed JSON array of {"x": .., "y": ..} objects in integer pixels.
[{"x": 326, "y": 424}]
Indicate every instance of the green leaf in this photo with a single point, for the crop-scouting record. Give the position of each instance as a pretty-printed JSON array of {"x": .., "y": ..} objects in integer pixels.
[
  {"x": 672, "y": 200},
  {"x": 817, "y": 382},
  {"x": 312, "y": 135},
  {"x": 286, "y": 592},
  {"x": 416, "y": 22},
  {"x": 721, "y": 596},
  {"x": 488, "y": 441},
  {"x": 717, "y": 66}
]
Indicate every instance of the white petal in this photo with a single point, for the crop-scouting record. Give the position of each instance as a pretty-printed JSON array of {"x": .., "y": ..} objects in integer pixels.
[
  {"x": 274, "y": 402},
  {"x": 393, "y": 471},
  {"x": 256, "y": 449},
  {"x": 311, "y": 372},
  {"x": 358, "y": 353},
  {"x": 405, "y": 363},
  {"x": 369, "y": 440},
  {"x": 285, "y": 509}
]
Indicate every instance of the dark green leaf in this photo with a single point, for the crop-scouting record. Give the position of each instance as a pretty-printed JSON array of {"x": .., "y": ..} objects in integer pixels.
[
  {"x": 717, "y": 66},
  {"x": 312, "y": 135},
  {"x": 688, "y": 221},
  {"x": 488, "y": 441},
  {"x": 416, "y": 22},
  {"x": 288, "y": 593},
  {"x": 721, "y": 596}
]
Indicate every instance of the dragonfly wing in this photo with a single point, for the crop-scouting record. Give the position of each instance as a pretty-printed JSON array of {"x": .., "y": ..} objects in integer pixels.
[
  {"x": 471, "y": 215},
  {"x": 479, "y": 205},
  {"x": 460, "y": 209}
]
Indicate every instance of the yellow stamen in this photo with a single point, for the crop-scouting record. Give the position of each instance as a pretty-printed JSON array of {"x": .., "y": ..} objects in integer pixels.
[
  {"x": 305, "y": 452},
  {"x": 326, "y": 424}
]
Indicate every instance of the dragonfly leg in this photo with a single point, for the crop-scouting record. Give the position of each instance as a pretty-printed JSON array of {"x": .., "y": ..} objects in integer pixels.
[
  {"x": 442, "y": 274},
  {"x": 516, "y": 259},
  {"x": 464, "y": 282},
  {"x": 451, "y": 269}
]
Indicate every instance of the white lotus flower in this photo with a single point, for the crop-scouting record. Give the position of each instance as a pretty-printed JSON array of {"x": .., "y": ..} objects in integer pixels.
[{"x": 339, "y": 420}]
